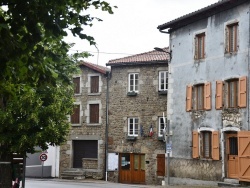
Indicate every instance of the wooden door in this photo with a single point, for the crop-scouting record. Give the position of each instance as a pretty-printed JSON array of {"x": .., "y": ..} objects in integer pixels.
[
  {"x": 132, "y": 168},
  {"x": 232, "y": 155},
  {"x": 160, "y": 164},
  {"x": 244, "y": 155}
]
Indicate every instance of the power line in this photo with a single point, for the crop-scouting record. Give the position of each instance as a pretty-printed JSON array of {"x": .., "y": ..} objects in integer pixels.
[{"x": 102, "y": 52}]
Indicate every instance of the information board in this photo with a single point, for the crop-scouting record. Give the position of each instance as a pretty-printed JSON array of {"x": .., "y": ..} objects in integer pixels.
[{"x": 112, "y": 161}]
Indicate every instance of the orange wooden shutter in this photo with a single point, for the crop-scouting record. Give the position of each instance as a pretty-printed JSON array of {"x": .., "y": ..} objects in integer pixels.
[
  {"x": 244, "y": 155},
  {"x": 242, "y": 96},
  {"x": 189, "y": 98},
  {"x": 207, "y": 97},
  {"x": 195, "y": 152},
  {"x": 219, "y": 95},
  {"x": 215, "y": 145}
]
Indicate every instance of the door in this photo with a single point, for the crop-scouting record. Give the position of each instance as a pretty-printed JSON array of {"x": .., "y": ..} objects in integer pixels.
[
  {"x": 132, "y": 168},
  {"x": 244, "y": 155},
  {"x": 84, "y": 149},
  {"x": 232, "y": 155}
]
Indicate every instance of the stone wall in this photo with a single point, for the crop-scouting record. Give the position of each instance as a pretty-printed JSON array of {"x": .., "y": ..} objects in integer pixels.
[{"x": 196, "y": 169}]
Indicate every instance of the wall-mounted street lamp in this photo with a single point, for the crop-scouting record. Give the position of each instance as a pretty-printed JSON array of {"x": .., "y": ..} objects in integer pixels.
[{"x": 162, "y": 50}]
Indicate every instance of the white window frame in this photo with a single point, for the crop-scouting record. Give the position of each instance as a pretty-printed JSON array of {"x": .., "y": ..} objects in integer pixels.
[
  {"x": 165, "y": 80},
  {"x": 134, "y": 124},
  {"x": 160, "y": 128},
  {"x": 134, "y": 82}
]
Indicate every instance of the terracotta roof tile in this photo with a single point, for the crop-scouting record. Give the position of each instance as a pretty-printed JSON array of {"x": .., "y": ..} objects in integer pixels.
[
  {"x": 95, "y": 67},
  {"x": 151, "y": 57}
]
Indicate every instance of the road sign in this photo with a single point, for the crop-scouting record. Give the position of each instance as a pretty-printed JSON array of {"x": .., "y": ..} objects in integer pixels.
[
  {"x": 43, "y": 157},
  {"x": 169, "y": 148}
]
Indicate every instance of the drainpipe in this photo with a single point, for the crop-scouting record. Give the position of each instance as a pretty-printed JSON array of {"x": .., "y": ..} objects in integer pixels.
[{"x": 107, "y": 123}]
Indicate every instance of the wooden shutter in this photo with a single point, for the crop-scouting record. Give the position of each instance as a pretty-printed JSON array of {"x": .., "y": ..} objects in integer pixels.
[
  {"x": 195, "y": 147},
  {"x": 160, "y": 164},
  {"x": 219, "y": 95},
  {"x": 242, "y": 95},
  {"x": 207, "y": 97},
  {"x": 94, "y": 84},
  {"x": 76, "y": 82},
  {"x": 94, "y": 113},
  {"x": 189, "y": 98},
  {"x": 215, "y": 145},
  {"x": 75, "y": 117},
  {"x": 244, "y": 155}
]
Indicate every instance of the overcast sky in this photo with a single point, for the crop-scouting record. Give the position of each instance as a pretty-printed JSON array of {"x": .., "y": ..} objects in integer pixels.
[{"x": 132, "y": 29}]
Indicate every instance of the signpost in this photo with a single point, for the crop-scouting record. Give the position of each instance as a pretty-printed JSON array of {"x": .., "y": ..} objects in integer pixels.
[{"x": 43, "y": 157}]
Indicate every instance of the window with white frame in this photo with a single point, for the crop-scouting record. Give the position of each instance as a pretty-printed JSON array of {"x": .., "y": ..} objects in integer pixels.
[
  {"x": 163, "y": 80},
  {"x": 133, "y": 80},
  {"x": 133, "y": 126},
  {"x": 161, "y": 125}
]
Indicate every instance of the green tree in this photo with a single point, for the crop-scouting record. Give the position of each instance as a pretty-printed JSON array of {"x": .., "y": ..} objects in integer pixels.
[{"x": 36, "y": 72}]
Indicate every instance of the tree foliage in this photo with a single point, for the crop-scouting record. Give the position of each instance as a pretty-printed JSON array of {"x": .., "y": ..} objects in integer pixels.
[{"x": 35, "y": 70}]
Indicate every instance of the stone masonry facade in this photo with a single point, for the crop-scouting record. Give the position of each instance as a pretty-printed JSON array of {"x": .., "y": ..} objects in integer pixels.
[{"x": 148, "y": 105}]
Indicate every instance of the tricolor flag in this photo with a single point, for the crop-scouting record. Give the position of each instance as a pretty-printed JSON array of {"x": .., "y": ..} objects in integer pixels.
[{"x": 151, "y": 131}]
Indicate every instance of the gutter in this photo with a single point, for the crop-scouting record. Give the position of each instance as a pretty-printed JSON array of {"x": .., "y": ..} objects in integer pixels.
[{"x": 108, "y": 74}]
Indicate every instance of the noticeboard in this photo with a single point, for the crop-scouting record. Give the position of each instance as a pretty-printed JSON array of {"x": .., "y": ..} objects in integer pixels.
[{"x": 112, "y": 161}]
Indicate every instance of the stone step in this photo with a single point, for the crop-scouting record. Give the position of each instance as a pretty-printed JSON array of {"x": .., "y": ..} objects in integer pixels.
[
  {"x": 226, "y": 184},
  {"x": 75, "y": 173},
  {"x": 235, "y": 181}
]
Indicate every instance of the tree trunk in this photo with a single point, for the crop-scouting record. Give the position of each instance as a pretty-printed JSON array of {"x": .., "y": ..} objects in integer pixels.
[{"x": 5, "y": 171}]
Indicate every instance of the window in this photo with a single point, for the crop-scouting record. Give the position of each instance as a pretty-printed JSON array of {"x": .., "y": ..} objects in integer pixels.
[
  {"x": 94, "y": 113},
  {"x": 76, "y": 82},
  {"x": 200, "y": 46},
  {"x": 161, "y": 125},
  {"x": 163, "y": 80},
  {"x": 232, "y": 38},
  {"x": 75, "y": 117},
  {"x": 133, "y": 126},
  {"x": 206, "y": 144},
  {"x": 231, "y": 93},
  {"x": 133, "y": 82},
  {"x": 94, "y": 84},
  {"x": 198, "y": 97}
]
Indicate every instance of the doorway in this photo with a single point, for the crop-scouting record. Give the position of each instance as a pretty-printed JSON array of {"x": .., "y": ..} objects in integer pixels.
[
  {"x": 232, "y": 155},
  {"x": 132, "y": 168}
]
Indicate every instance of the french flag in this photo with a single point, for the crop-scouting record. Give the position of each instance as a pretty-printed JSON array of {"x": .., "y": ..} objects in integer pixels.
[{"x": 151, "y": 131}]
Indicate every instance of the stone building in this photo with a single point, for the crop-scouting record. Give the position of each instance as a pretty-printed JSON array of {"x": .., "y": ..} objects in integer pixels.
[
  {"x": 137, "y": 100},
  {"x": 208, "y": 98},
  {"x": 83, "y": 155}
]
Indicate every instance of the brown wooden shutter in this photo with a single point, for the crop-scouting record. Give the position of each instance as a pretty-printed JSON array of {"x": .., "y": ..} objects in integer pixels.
[
  {"x": 75, "y": 117},
  {"x": 207, "y": 97},
  {"x": 76, "y": 82},
  {"x": 195, "y": 147},
  {"x": 244, "y": 155},
  {"x": 215, "y": 145},
  {"x": 219, "y": 95},
  {"x": 242, "y": 95},
  {"x": 189, "y": 98},
  {"x": 160, "y": 164},
  {"x": 94, "y": 84},
  {"x": 94, "y": 113}
]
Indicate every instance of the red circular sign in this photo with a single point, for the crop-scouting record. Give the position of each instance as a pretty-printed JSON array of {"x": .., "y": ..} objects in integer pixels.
[{"x": 43, "y": 157}]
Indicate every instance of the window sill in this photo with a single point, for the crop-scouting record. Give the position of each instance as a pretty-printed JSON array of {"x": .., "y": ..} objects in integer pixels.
[
  {"x": 77, "y": 94},
  {"x": 93, "y": 94},
  {"x": 94, "y": 124},
  {"x": 163, "y": 92},
  {"x": 76, "y": 125},
  {"x": 131, "y": 138},
  {"x": 131, "y": 93}
]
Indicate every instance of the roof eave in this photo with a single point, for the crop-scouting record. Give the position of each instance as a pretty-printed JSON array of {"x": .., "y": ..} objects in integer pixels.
[{"x": 137, "y": 63}]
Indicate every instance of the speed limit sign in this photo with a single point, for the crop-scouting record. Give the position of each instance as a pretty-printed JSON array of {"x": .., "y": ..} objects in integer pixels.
[{"x": 43, "y": 157}]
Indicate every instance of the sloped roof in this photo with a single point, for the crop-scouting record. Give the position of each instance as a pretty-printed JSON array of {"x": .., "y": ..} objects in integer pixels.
[
  {"x": 200, "y": 14},
  {"x": 151, "y": 57},
  {"x": 95, "y": 67}
]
